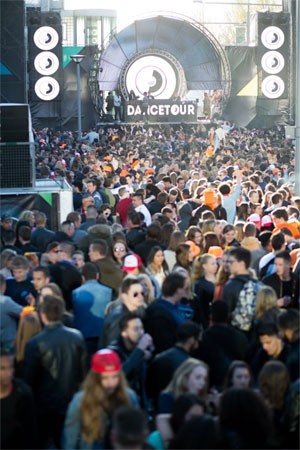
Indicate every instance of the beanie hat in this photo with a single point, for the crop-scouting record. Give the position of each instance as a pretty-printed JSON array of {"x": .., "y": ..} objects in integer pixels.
[
  {"x": 106, "y": 361},
  {"x": 255, "y": 218},
  {"x": 131, "y": 262},
  {"x": 216, "y": 251},
  {"x": 209, "y": 197},
  {"x": 149, "y": 171}
]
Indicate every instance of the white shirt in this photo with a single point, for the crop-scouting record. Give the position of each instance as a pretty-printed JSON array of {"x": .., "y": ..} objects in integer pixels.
[{"x": 145, "y": 211}]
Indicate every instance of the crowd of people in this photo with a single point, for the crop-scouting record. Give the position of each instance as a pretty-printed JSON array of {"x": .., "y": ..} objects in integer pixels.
[{"x": 164, "y": 310}]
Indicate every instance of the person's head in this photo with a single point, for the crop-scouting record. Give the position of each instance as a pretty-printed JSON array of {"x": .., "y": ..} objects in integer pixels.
[
  {"x": 199, "y": 432},
  {"x": 289, "y": 324},
  {"x": 132, "y": 264},
  {"x": 266, "y": 299},
  {"x": 40, "y": 219},
  {"x": 78, "y": 259},
  {"x": 244, "y": 416},
  {"x": 273, "y": 381},
  {"x": 27, "y": 216},
  {"x": 185, "y": 407},
  {"x": 129, "y": 428},
  {"x": 40, "y": 277},
  {"x": 148, "y": 288},
  {"x": 51, "y": 309},
  {"x": 190, "y": 377},
  {"x": 278, "y": 241},
  {"x": 20, "y": 268},
  {"x": 29, "y": 326},
  {"x": 279, "y": 216},
  {"x": 67, "y": 227},
  {"x": 65, "y": 251},
  {"x": 91, "y": 186},
  {"x": 131, "y": 293},
  {"x": 52, "y": 252},
  {"x": 194, "y": 234},
  {"x": 119, "y": 250},
  {"x": 238, "y": 375},
  {"x": 104, "y": 389},
  {"x": 184, "y": 255},
  {"x": 6, "y": 368},
  {"x": 174, "y": 286},
  {"x": 132, "y": 328},
  {"x": 204, "y": 266},
  {"x": 24, "y": 234},
  {"x": 239, "y": 260},
  {"x": 188, "y": 335},
  {"x": 228, "y": 234},
  {"x": 269, "y": 338},
  {"x": 265, "y": 239},
  {"x": 219, "y": 312},
  {"x": 90, "y": 272},
  {"x": 6, "y": 258},
  {"x": 51, "y": 289},
  {"x": 98, "y": 250},
  {"x": 156, "y": 258},
  {"x": 177, "y": 237},
  {"x": 282, "y": 264},
  {"x": 137, "y": 200}
]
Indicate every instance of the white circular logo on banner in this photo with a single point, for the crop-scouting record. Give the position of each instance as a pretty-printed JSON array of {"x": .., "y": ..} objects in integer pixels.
[
  {"x": 46, "y": 38},
  {"x": 272, "y": 38},
  {"x": 273, "y": 86},
  {"x": 47, "y": 88},
  {"x": 46, "y": 63},
  {"x": 152, "y": 74},
  {"x": 272, "y": 62}
]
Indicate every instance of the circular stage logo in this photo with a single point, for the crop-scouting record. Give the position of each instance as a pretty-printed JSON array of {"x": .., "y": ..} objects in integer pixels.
[
  {"x": 272, "y": 38},
  {"x": 46, "y": 63},
  {"x": 46, "y": 38},
  {"x": 47, "y": 88},
  {"x": 272, "y": 62},
  {"x": 273, "y": 86},
  {"x": 152, "y": 74}
]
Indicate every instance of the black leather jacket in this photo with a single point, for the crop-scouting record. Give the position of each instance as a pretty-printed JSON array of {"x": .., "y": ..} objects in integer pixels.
[{"x": 55, "y": 363}]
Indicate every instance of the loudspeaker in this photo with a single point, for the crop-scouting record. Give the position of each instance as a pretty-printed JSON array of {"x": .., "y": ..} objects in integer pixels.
[
  {"x": 45, "y": 56},
  {"x": 15, "y": 123},
  {"x": 12, "y": 51},
  {"x": 273, "y": 53},
  {"x": 16, "y": 169}
]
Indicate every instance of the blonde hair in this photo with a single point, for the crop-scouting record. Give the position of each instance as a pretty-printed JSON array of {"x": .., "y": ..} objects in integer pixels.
[
  {"x": 239, "y": 231},
  {"x": 266, "y": 299},
  {"x": 198, "y": 270},
  {"x": 29, "y": 326},
  {"x": 208, "y": 225},
  {"x": 151, "y": 295},
  {"x": 178, "y": 384},
  {"x": 96, "y": 405}
]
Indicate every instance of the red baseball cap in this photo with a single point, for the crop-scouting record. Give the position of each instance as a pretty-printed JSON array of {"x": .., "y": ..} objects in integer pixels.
[{"x": 106, "y": 361}]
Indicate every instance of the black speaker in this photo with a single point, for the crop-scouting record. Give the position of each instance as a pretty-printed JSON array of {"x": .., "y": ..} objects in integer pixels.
[
  {"x": 273, "y": 53},
  {"x": 14, "y": 123},
  {"x": 16, "y": 166},
  {"x": 45, "y": 56},
  {"x": 12, "y": 51}
]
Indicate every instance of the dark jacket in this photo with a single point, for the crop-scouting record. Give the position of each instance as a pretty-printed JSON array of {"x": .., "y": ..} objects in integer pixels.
[
  {"x": 135, "y": 236},
  {"x": 68, "y": 278},
  {"x": 162, "y": 323},
  {"x": 222, "y": 344},
  {"x": 134, "y": 366},
  {"x": 110, "y": 273},
  {"x": 41, "y": 237},
  {"x": 18, "y": 418},
  {"x": 163, "y": 367},
  {"x": 55, "y": 366},
  {"x": 143, "y": 249},
  {"x": 204, "y": 294}
]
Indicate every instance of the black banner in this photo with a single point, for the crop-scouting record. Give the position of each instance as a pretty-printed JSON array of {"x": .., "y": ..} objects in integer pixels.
[{"x": 161, "y": 111}]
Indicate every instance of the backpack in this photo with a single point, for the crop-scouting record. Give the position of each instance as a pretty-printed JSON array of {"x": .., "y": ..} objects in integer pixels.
[{"x": 244, "y": 312}]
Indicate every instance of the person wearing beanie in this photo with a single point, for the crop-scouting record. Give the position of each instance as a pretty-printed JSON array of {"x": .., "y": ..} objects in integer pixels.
[{"x": 90, "y": 412}]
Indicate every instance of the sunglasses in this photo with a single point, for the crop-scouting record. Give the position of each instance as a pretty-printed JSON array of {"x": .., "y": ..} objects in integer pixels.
[
  {"x": 136, "y": 294},
  {"x": 119, "y": 249}
]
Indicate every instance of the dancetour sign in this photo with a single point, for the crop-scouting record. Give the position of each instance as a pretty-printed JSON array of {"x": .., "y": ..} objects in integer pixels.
[{"x": 161, "y": 111}]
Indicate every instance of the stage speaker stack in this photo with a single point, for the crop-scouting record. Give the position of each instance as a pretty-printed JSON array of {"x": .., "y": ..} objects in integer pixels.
[
  {"x": 273, "y": 54},
  {"x": 16, "y": 147},
  {"x": 45, "y": 55}
]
